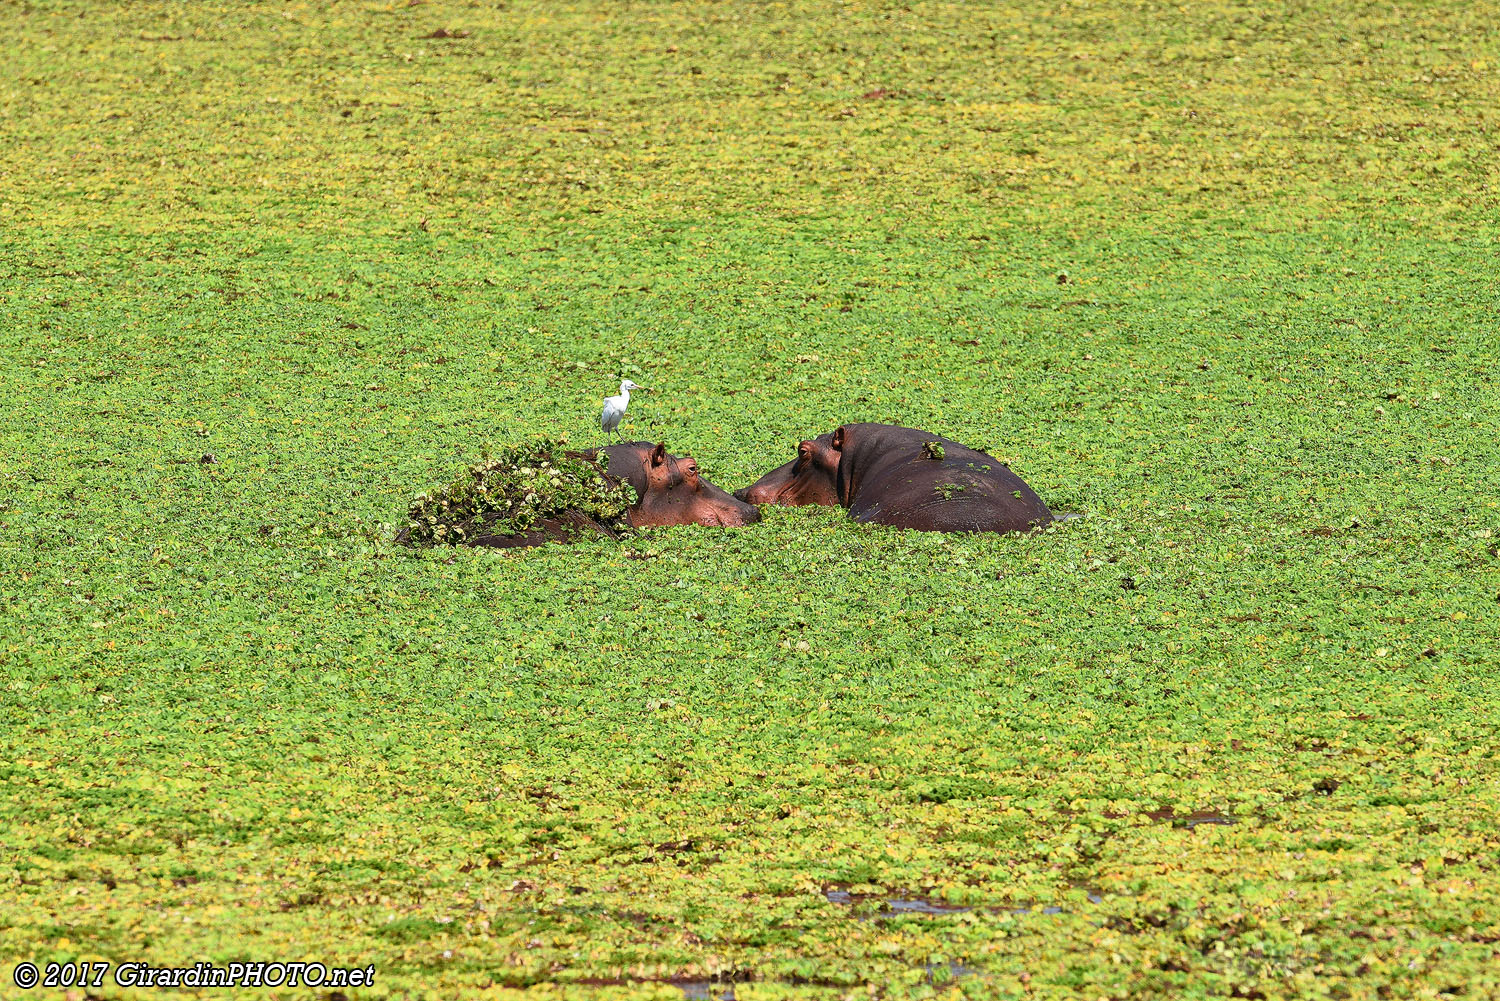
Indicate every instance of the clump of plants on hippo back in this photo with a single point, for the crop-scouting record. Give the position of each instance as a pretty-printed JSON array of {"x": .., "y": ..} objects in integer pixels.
[{"x": 521, "y": 490}]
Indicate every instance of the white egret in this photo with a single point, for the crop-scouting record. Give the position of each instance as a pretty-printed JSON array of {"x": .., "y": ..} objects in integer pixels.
[{"x": 614, "y": 408}]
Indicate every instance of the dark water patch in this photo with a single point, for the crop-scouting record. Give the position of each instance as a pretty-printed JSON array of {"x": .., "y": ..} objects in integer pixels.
[
  {"x": 883, "y": 907},
  {"x": 635, "y": 918},
  {"x": 892, "y": 906},
  {"x": 916, "y": 905},
  {"x": 1049, "y": 909},
  {"x": 945, "y": 975},
  {"x": 717, "y": 989},
  {"x": 1167, "y": 814},
  {"x": 1094, "y": 894},
  {"x": 1190, "y": 820}
]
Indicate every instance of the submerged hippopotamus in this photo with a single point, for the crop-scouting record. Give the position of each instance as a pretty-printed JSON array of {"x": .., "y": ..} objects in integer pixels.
[
  {"x": 906, "y": 478},
  {"x": 669, "y": 490}
]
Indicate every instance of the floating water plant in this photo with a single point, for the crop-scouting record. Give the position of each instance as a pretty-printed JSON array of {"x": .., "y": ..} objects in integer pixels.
[{"x": 522, "y": 490}]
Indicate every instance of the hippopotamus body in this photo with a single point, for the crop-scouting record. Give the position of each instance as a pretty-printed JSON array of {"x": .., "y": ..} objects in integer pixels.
[
  {"x": 570, "y": 526},
  {"x": 669, "y": 490},
  {"x": 906, "y": 478}
]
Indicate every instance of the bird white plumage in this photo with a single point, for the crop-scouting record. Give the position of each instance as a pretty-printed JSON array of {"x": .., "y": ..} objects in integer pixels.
[{"x": 614, "y": 408}]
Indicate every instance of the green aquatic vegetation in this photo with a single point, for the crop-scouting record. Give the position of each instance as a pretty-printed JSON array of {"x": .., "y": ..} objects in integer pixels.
[
  {"x": 332, "y": 248},
  {"x": 517, "y": 491}
]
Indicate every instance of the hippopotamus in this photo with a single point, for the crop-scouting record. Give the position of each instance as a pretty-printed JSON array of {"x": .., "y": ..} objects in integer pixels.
[
  {"x": 906, "y": 478},
  {"x": 669, "y": 489}
]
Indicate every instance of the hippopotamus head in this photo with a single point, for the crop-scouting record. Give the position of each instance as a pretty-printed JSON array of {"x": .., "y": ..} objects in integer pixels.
[
  {"x": 810, "y": 478},
  {"x": 670, "y": 491}
]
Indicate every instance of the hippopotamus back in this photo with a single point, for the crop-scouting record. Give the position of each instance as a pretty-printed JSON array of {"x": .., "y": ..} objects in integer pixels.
[{"x": 914, "y": 479}]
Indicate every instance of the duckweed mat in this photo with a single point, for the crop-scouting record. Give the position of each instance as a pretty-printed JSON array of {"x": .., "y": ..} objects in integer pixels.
[
  {"x": 533, "y": 490},
  {"x": 1220, "y": 277}
]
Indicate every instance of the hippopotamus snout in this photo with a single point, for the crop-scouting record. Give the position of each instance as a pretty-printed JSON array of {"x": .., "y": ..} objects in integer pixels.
[
  {"x": 764, "y": 493},
  {"x": 756, "y": 494},
  {"x": 719, "y": 507},
  {"x": 737, "y": 517}
]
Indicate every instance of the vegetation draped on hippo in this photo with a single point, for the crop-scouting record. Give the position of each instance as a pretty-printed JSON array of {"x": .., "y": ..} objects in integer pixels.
[{"x": 519, "y": 491}]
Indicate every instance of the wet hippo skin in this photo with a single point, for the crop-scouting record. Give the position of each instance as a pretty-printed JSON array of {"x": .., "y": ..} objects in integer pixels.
[
  {"x": 905, "y": 478},
  {"x": 807, "y": 479},
  {"x": 669, "y": 489}
]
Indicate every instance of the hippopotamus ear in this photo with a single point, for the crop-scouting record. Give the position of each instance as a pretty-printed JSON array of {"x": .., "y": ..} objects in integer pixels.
[
  {"x": 838, "y": 438},
  {"x": 659, "y": 454}
]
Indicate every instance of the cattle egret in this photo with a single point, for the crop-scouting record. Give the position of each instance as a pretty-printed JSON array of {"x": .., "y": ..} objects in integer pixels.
[{"x": 614, "y": 408}]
